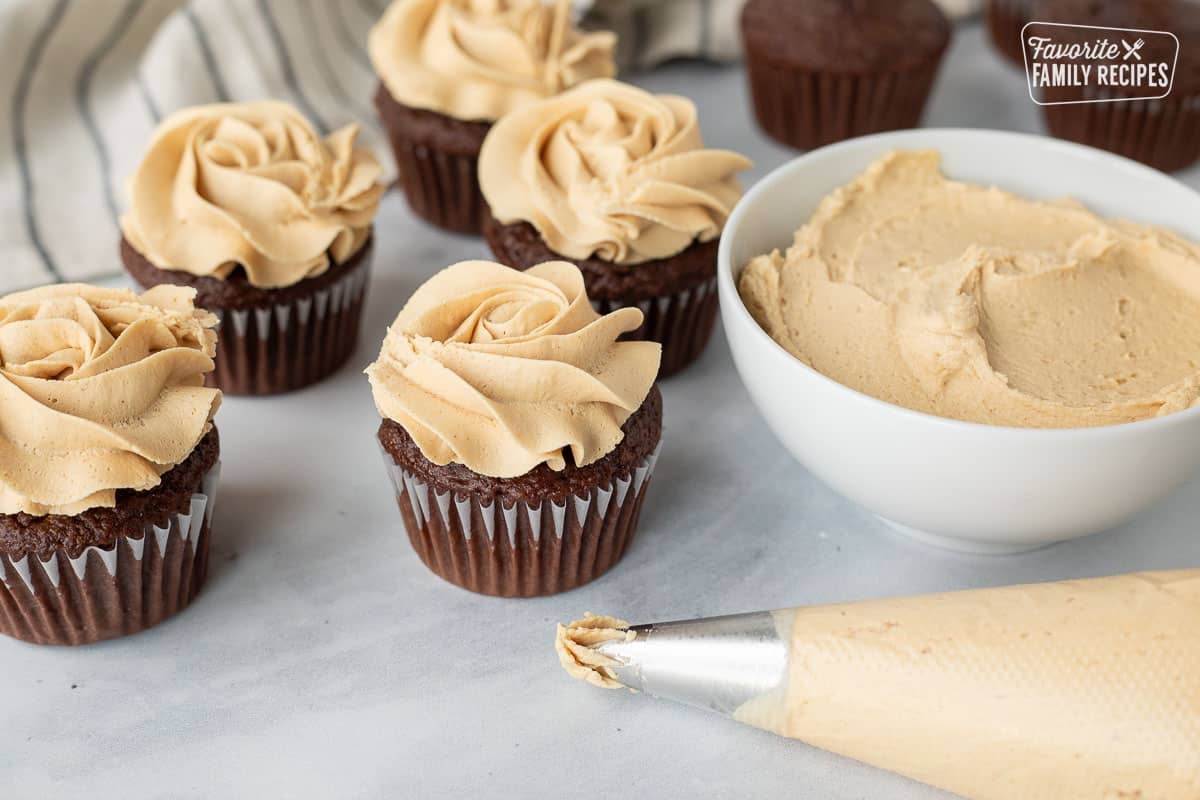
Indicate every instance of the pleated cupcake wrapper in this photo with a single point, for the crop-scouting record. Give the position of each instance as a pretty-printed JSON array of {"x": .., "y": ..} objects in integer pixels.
[
  {"x": 682, "y": 322},
  {"x": 523, "y": 550},
  {"x": 107, "y": 592},
  {"x": 283, "y": 347},
  {"x": 1162, "y": 133},
  {"x": 805, "y": 109},
  {"x": 1005, "y": 19},
  {"x": 442, "y": 187}
]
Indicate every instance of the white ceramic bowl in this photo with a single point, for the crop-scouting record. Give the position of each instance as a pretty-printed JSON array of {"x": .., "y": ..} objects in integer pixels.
[{"x": 961, "y": 485}]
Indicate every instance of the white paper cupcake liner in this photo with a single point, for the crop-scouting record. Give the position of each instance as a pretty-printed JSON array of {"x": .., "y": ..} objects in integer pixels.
[
  {"x": 283, "y": 347},
  {"x": 526, "y": 549},
  {"x": 682, "y": 322},
  {"x": 107, "y": 592}
]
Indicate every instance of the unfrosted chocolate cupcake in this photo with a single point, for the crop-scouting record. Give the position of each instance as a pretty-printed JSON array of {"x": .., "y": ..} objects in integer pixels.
[
  {"x": 825, "y": 70},
  {"x": 617, "y": 181},
  {"x": 519, "y": 433},
  {"x": 1005, "y": 19},
  {"x": 109, "y": 467},
  {"x": 271, "y": 225},
  {"x": 1164, "y": 132},
  {"x": 448, "y": 69}
]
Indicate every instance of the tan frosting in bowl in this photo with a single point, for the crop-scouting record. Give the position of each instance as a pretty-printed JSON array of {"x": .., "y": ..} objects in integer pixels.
[
  {"x": 972, "y": 303},
  {"x": 501, "y": 370},
  {"x": 610, "y": 170},
  {"x": 251, "y": 184},
  {"x": 480, "y": 59},
  {"x": 100, "y": 389}
]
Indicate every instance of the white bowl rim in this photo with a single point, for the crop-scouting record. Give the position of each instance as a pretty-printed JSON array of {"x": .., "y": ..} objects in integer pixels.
[{"x": 784, "y": 173}]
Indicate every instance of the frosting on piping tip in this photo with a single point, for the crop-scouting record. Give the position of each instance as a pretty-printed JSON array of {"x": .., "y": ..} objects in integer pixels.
[{"x": 575, "y": 644}]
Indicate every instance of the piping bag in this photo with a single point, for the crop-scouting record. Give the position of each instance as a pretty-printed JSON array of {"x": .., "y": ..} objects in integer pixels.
[{"x": 1076, "y": 689}]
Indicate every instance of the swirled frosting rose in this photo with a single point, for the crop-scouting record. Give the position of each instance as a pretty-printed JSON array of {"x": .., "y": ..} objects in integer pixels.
[
  {"x": 100, "y": 389},
  {"x": 480, "y": 59},
  {"x": 251, "y": 184},
  {"x": 609, "y": 170},
  {"x": 501, "y": 370},
  {"x": 971, "y": 303}
]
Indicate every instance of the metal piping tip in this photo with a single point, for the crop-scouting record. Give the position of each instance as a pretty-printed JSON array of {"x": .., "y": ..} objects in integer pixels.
[{"x": 718, "y": 664}]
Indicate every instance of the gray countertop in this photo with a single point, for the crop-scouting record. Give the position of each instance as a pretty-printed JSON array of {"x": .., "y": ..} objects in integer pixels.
[{"x": 323, "y": 660}]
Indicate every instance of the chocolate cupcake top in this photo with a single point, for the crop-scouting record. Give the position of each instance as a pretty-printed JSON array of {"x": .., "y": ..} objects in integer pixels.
[
  {"x": 609, "y": 170},
  {"x": 845, "y": 36},
  {"x": 251, "y": 185},
  {"x": 480, "y": 59},
  {"x": 100, "y": 389},
  {"x": 501, "y": 370}
]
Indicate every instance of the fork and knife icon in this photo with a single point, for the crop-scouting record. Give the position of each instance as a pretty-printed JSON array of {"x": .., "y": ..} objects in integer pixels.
[{"x": 1132, "y": 49}]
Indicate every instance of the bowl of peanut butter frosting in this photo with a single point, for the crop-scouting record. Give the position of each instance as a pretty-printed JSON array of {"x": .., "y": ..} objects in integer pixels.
[{"x": 991, "y": 340}]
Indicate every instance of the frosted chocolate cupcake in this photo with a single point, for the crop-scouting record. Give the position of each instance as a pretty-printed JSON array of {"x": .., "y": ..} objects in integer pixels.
[
  {"x": 617, "y": 181},
  {"x": 519, "y": 433},
  {"x": 108, "y": 460},
  {"x": 449, "y": 68},
  {"x": 271, "y": 225}
]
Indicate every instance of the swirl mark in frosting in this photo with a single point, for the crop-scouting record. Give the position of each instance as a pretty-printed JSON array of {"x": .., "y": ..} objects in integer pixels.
[
  {"x": 100, "y": 389},
  {"x": 609, "y": 170},
  {"x": 251, "y": 184},
  {"x": 501, "y": 370},
  {"x": 480, "y": 59}
]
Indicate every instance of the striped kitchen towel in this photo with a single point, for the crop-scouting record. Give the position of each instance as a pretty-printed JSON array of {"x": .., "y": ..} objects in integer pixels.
[{"x": 84, "y": 82}]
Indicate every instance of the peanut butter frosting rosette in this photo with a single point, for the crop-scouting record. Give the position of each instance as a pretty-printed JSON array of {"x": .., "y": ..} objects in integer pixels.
[
  {"x": 480, "y": 59},
  {"x": 251, "y": 184},
  {"x": 501, "y": 371},
  {"x": 612, "y": 171},
  {"x": 100, "y": 390}
]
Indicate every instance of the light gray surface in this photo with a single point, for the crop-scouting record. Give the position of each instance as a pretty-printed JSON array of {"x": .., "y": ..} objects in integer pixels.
[{"x": 323, "y": 660}]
